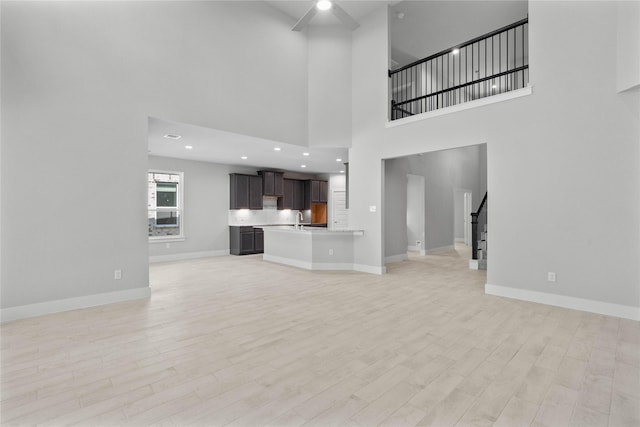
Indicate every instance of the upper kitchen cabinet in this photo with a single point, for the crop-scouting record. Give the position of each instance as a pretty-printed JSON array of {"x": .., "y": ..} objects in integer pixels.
[
  {"x": 293, "y": 197},
  {"x": 272, "y": 183},
  {"x": 316, "y": 192},
  {"x": 245, "y": 191}
]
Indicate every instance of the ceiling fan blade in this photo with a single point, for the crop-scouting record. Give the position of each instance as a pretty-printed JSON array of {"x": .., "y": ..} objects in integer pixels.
[
  {"x": 344, "y": 17},
  {"x": 302, "y": 22}
]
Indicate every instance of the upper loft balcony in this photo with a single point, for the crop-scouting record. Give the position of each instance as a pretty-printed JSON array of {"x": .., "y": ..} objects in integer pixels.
[
  {"x": 447, "y": 56},
  {"x": 487, "y": 65}
]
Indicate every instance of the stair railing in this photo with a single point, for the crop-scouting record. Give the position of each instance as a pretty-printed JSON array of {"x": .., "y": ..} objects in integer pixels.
[{"x": 478, "y": 219}]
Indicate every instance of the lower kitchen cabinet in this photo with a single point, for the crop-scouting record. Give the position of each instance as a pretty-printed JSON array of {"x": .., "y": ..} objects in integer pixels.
[
  {"x": 245, "y": 240},
  {"x": 258, "y": 240}
]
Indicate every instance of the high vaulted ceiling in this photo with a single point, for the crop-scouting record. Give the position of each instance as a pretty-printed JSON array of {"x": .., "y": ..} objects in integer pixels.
[{"x": 357, "y": 9}]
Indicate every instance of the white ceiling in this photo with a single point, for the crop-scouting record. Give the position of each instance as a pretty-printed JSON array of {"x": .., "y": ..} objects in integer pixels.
[
  {"x": 428, "y": 27},
  {"x": 357, "y": 9},
  {"x": 216, "y": 146}
]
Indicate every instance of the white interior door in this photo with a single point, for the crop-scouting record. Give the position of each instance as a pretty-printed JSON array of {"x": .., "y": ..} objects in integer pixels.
[
  {"x": 340, "y": 213},
  {"x": 415, "y": 213},
  {"x": 467, "y": 218}
]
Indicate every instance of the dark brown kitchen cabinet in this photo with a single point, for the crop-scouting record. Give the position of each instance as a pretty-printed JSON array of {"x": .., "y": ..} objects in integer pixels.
[
  {"x": 255, "y": 192},
  {"x": 258, "y": 240},
  {"x": 244, "y": 240},
  {"x": 245, "y": 191},
  {"x": 272, "y": 183},
  {"x": 293, "y": 197},
  {"x": 316, "y": 191}
]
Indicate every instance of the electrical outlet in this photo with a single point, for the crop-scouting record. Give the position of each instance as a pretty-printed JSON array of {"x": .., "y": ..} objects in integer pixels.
[
  {"x": 551, "y": 276},
  {"x": 330, "y": 251},
  {"x": 167, "y": 245},
  {"x": 117, "y": 274}
]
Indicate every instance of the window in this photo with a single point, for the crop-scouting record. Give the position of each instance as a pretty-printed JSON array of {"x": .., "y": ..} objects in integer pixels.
[{"x": 165, "y": 205}]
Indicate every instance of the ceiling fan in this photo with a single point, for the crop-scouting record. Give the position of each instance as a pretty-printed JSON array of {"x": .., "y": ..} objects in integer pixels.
[{"x": 338, "y": 12}]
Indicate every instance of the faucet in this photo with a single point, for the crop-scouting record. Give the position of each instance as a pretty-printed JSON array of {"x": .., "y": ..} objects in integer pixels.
[{"x": 299, "y": 218}]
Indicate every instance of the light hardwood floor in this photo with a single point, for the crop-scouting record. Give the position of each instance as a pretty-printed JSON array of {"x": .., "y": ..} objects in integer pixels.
[{"x": 237, "y": 341}]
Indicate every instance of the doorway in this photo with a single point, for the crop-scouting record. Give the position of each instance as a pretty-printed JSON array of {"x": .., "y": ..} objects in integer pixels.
[
  {"x": 415, "y": 213},
  {"x": 428, "y": 200},
  {"x": 463, "y": 206}
]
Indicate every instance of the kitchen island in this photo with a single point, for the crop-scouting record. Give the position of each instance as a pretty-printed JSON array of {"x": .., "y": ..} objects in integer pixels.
[{"x": 310, "y": 248}]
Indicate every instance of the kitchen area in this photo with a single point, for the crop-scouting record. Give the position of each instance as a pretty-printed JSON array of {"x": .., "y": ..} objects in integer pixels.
[
  {"x": 270, "y": 199},
  {"x": 284, "y": 216},
  {"x": 245, "y": 196}
]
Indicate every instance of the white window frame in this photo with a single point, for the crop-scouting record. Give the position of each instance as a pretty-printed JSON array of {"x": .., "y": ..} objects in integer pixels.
[{"x": 179, "y": 208}]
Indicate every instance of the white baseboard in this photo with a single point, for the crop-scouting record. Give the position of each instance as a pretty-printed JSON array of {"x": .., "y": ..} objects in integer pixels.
[
  {"x": 396, "y": 258},
  {"x": 417, "y": 249},
  {"x": 440, "y": 249},
  {"x": 370, "y": 269},
  {"x": 599, "y": 307},
  {"x": 187, "y": 255},
  {"x": 58, "y": 306}
]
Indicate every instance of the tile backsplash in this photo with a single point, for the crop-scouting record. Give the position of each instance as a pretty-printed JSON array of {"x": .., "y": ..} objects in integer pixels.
[{"x": 269, "y": 214}]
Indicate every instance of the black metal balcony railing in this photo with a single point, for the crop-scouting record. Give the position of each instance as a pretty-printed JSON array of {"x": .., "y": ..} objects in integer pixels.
[{"x": 488, "y": 65}]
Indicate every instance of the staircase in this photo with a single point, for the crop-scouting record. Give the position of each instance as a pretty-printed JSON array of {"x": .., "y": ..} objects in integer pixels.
[
  {"x": 478, "y": 259},
  {"x": 482, "y": 249}
]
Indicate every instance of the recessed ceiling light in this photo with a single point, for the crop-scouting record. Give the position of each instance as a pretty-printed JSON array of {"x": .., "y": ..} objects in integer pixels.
[
  {"x": 455, "y": 51},
  {"x": 338, "y": 160},
  {"x": 323, "y": 4},
  {"x": 305, "y": 154},
  {"x": 494, "y": 86},
  {"x": 188, "y": 147},
  {"x": 341, "y": 171},
  {"x": 244, "y": 157},
  {"x": 276, "y": 149},
  {"x": 172, "y": 136},
  {"x": 303, "y": 166}
]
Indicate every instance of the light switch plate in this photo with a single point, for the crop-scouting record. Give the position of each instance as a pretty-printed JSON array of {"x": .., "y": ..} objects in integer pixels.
[{"x": 372, "y": 208}]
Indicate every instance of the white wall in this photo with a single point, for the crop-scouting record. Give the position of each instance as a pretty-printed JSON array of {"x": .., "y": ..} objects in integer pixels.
[
  {"x": 444, "y": 172},
  {"x": 79, "y": 81},
  {"x": 395, "y": 207},
  {"x": 206, "y": 207},
  {"x": 563, "y": 164},
  {"x": 329, "y": 59}
]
